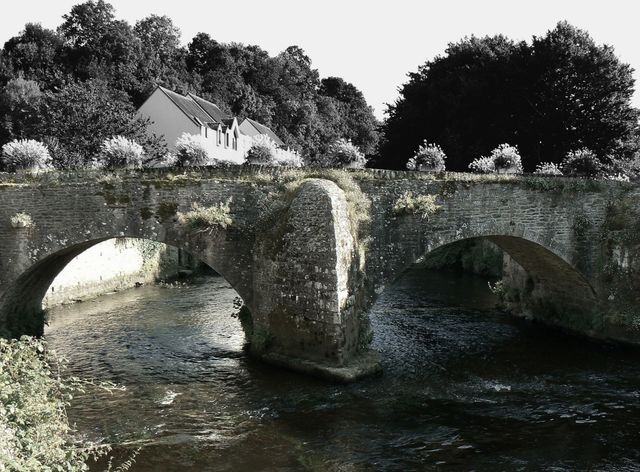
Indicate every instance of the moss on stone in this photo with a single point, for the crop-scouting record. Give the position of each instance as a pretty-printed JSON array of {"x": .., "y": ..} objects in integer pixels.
[{"x": 167, "y": 210}]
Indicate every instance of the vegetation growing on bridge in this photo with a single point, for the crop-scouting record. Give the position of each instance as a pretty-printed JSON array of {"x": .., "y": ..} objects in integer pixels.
[
  {"x": 207, "y": 218},
  {"x": 21, "y": 220},
  {"x": 422, "y": 205}
]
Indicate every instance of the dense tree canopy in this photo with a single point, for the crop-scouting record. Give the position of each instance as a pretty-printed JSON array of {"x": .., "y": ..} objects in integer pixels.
[
  {"x": 560, "y": 93},
  {"x": 92, "y": 52}
]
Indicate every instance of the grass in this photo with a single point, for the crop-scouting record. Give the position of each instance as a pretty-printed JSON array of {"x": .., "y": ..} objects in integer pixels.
[
  {"x": 207, "y": 218},
  {"x": 421, "y": 205}
]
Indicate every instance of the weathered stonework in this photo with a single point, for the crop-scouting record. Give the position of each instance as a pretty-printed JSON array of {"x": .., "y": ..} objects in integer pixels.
[{"x": 308, "y": 267}]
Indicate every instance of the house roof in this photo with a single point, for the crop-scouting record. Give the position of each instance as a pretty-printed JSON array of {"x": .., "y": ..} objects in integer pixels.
[
  {"x": 262, "y": 129},
  {"x": 211, "y": 109},
  {"x": 188, "y": 106},
  {"x": 205, "y": 113}
]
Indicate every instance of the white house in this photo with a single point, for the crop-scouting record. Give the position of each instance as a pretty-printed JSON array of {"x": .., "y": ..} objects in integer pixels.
[{"x": 172, "y": 114}]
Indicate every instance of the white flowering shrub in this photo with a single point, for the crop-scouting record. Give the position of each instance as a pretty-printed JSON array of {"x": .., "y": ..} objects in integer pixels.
[
  {"x": 618, "y": 177},
  {"x": 428, "y": 157},
  {"x": 262, "y": 151},
  {"x": 166, "y": 160},
  {"x": 547, "y": 168},
  {"x": 25, "y": 154},
  {"x": 505, "y": 159},
  {"x": 191, "y": 150},
  {"x": 582, "y": 163},
  {"x": 483, "y": 165},
  {"x": 120, "y": 152},
  {"x": 288, "y": 158},
  {"x": 343, "y": 153}
]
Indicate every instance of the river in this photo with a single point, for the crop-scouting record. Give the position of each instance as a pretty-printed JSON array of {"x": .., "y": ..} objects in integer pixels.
[{"x": 465, "y": 387}]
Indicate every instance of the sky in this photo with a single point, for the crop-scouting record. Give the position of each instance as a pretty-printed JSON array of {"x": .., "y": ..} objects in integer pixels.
[{"x": 372, "y": 44}]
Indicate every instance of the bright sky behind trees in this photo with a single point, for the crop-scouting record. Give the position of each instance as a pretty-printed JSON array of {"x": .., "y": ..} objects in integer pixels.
[{"x": 372, "y": 44}]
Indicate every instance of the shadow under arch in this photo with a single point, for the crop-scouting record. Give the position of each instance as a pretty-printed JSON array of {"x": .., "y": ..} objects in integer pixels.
[
  {"x": 547, "y": 286},
  {"x": 21, "y": 310}
]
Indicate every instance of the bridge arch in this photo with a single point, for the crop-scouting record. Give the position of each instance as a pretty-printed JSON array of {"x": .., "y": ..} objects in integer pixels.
[
  {"x": 21, "y": 303},
  {"x": 543, "y": 284}
]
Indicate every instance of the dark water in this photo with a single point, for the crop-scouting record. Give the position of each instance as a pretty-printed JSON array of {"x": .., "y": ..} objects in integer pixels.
[{"x": 464, "y": 388}]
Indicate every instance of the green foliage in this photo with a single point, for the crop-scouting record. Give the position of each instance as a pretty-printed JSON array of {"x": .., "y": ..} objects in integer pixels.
[
  {"x": 35, "y": 434},
  {"x": 559, "y": 92},
  {"x": 421, "y": 205},
  {"x": 81, "y": 116},
  {"x": 207, "y": 218}
]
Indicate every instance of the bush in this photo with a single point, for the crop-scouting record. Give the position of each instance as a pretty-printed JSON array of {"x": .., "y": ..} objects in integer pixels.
[
  {"x": 207, "y": 218},
  {"x": 289, "y": 158},
  {"x": 582, "y": 163},
  {"x": 547, "y": 168},
  {"x": 483, "y": 165},
  {"x": 21, "y": 220},
  {"x": 428, "y": 157},
  {"x": 343, "y": 153},
  {"x": 422, "y": 205},
  {"x": 262, "y": 151},
  {"x": 505, "y": 159},
  {"x": 191, "y": 150},
  {"x": 120, "y": 152},
  {"x": 25, "y": 154},
  {"x": 34, "y": 430}
]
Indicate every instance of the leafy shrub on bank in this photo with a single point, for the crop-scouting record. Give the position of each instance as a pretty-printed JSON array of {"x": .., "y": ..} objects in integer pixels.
[
  {"x": 428, "y": 157},
  {"x": 343, "y": 153},
  {"x": 25, "y": 154},
  {"x": 547, "y": 168},
  {"x": 119, "y": 152},
  {"x": 582, "y": 163},
  {"x": 35, "y": 434}
]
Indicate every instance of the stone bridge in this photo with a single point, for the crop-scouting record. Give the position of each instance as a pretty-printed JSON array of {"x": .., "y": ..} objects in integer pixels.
[{"x": 310, "y": 250}]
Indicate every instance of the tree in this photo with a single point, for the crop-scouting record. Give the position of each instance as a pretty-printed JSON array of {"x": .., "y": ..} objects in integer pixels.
[
  {"x": 559, "y": 93},
  {"x": 463, "y": 100},
  {"x": 36, "y": 54},
  {"x": 160, "y": 41},
  {"x": 82, "y": 115},
  {"x": 19, "y": 103},
  {"x": 581, "y": 95}
]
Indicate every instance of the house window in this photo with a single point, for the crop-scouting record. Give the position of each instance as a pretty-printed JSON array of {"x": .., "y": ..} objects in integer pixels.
[
  {"x": 235, "y": 143},
  {"x": 226, "y": 141},
  {"x": 206, "y": 132},
  {"x": 219, "y": 138}
]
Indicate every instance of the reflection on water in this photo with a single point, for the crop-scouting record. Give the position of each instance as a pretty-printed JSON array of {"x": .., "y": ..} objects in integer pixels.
[{"x": 464, "y": 388}]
